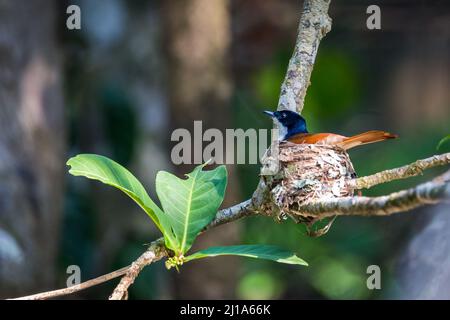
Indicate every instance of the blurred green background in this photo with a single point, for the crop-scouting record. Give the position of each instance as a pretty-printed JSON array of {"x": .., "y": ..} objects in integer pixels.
[{"x": 139, "y": 69}]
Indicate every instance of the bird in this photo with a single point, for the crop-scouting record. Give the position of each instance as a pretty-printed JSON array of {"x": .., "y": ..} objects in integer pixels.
[{"x": 293, "y": 129}]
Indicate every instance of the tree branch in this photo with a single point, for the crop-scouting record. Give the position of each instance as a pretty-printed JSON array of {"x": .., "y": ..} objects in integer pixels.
[
  {"x": 405, "y": 200},
  {"x": 413, "y": 169},
  {"x": 233, "y": 213},
  {"x": 155, "y": 252},
  {"x": 76, "y": 288},
  {"x": 314, "y": 25}
]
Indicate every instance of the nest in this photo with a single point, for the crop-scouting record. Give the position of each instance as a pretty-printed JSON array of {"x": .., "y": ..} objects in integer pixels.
[{"x": 308, "y": 172}]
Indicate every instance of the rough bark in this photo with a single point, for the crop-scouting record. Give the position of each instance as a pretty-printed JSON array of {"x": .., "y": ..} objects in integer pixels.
[
  {"x": 31, "y": 146},
  {"x": 314, "y": 25},
  {"x": 413, "y": 169}
]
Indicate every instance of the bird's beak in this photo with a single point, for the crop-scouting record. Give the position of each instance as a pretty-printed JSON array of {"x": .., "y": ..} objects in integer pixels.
[{"x": 269, "y": 113}]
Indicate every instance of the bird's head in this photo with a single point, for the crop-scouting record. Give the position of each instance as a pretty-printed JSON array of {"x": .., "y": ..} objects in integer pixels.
[{"x": 289, "y": 119}]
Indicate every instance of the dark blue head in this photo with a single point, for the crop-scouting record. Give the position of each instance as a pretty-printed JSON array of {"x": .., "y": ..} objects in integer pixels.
[{"x": 291, "y": 122}]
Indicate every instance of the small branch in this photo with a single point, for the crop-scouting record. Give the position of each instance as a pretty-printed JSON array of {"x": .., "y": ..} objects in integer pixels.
[
  {"x": 75, "y": 288},
  {"x": 155, "y": 252},
  {"x": 405, "y": 200},
  {"x": 410, "y": 170},
  {"x": 233, "y": 213},
  {"x": 314, "y": 25}
]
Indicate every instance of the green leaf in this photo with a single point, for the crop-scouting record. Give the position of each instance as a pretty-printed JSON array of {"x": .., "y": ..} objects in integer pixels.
[
  {"x": 443, "y": 141},
  {"x": 190, "y": 204},
  {"x": 266, "y": 252},
  {"x": 103, "y": 169}
]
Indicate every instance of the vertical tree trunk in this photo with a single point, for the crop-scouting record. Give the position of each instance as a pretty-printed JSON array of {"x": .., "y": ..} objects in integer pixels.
[
  {"x": 198, "y": 40},
  {"x": 31, "y": 146}
]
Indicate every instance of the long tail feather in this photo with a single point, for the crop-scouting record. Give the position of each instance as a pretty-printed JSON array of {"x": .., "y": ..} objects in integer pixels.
[{"x": 365, "y": 138}]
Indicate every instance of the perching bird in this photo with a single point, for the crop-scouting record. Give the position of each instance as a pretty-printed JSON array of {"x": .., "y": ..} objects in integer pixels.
[{"x": 293, "y": 129}]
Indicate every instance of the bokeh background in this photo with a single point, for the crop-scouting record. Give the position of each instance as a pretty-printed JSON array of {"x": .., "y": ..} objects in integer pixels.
[{"x": 139, "y": 69}]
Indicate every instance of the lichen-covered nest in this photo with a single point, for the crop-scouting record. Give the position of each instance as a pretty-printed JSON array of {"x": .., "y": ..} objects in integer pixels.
[{"x": 308, "y": 172}]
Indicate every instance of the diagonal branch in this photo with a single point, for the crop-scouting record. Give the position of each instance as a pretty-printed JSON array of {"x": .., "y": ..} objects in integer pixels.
[
  {"x": 233, "y": 213},
  {"x": 76, "y": 288},
  {"x": 410, "y": 170},
  {"x": 314, "y": 25},
  {"x": 155, "y": 252}
]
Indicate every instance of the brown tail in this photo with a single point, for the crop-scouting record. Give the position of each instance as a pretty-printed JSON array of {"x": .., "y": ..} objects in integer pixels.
[{"x": 365, "y": 138}]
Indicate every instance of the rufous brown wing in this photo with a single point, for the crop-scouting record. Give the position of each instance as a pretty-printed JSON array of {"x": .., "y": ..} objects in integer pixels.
[{"x": 342, "y": 141}]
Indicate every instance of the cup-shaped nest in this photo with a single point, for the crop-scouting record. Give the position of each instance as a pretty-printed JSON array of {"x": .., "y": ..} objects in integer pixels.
[{"x": 309, "y": 172}]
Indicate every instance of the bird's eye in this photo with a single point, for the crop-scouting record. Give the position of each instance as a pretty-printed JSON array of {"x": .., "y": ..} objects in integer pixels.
[{"x": 283, "y": 115}]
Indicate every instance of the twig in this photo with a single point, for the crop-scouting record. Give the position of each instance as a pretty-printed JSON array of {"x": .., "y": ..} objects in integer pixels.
[
  {"x": 233, "y": 213},
  {"x": 156, "y": 251},
  {"x": 76, "y": 288},
  {"x": 410, "y": 170}
]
